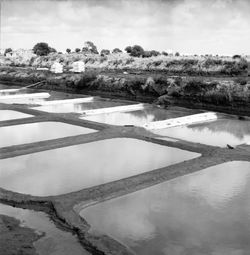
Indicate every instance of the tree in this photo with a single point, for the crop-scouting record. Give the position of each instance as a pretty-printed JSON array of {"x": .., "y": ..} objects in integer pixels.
[
  {"x": 42, "y": 49},
  {"x": 91, "y": 47},
  {"x": 77, "y": 50},
  {"x": 164, "y": 53},
  {"x": 236, "y": 56},
  {"x": 105, "y": 52},
  {"x": 85, "y": 50},
  {"x": 177, "y": 54},
  {"x": 52, "y": 50},
  {"x": 155, "y": 53},
  {"x": 128, "y": 49},
  {"x": 68, "y": 50},
  {"x": 135, "y": 51},
  {"x": 7, "y": 51},
  {"x": 148, "y": 54},
  {"x": 116, "y": 50}
]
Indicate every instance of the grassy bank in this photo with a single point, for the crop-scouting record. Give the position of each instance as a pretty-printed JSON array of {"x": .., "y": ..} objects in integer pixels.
[{"x": 233, "y": 93}]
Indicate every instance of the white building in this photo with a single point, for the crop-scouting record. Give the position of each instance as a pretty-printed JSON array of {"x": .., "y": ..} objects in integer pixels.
[
  {"x": 56, "y": 68},
  {"x": 78, "y": 67}
]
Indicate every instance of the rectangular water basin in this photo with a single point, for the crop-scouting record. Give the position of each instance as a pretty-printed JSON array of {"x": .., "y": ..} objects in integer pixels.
[
  {"x": 40, "y": 131},
  {"x": 217, "y": 133},
  {"x": 202, "y": 213},
  {"x": 76, "y": 167},
  {"x": 140, "y": 117},
  {"x": 79, "y": 107},
  {"x": 10, "y": 115}
]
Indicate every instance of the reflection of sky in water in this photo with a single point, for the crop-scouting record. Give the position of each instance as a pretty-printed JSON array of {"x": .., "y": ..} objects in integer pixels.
[
  {"x": 79, "y": 107},
  {"x": 137, "y": 118},
  {"x": 218, "y": 133},
  {"x": 73, "y": 168},
  {"x": 10, "y": 115},
  {"x": 55, "y": 241},
  {"x": 203, "y": 213},
  {"x": 34, "y": 132}
]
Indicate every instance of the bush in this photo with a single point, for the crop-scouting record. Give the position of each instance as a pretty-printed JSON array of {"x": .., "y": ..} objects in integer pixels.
[
  {"x": 104, "y": 52},
  {"x": 86, "y": 80},
  {"x": 77, "y": 50},
  {"x": 68, "y": 50},
  {"x": 135, "y": 51},
  {"x": 7, "y": 51},
  {"x": 241, "y": 81},
  {"x": 116, "y": 50}
]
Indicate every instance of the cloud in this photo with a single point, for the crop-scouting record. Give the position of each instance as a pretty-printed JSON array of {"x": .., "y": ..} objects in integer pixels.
[{"x": 185, "y": 25}]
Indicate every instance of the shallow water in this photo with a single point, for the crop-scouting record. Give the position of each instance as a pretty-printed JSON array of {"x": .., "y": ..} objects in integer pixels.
[
  {"x": 10, "y": 115},
  {"x": 79, "y": 107},
  {"x": 55, "y": 241},
  {"x": 138, "y": 118},
  {"x": 205, "y": 213},
  {"x": 40, "y": 131},
  {"x": 76, "y": 167},
  {"x": 217, "y": 133}
]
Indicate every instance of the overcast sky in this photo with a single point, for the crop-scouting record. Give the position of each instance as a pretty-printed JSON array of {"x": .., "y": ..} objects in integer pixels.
[{"x": 187, "y": 26}]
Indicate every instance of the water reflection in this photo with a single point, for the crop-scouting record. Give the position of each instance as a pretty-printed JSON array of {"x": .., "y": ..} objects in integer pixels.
[
  {"x": 79, "y": 107},
  {"x": 34, "y": 132},
  {"x": 137, "y": 118},
  {"x": 10, "y": 115},
  {"x": 76, "y": 167},
  {"x": 55, "y": 241},
  {"x": 218, "y": 133},
  {"x": 203, "y": 213}
]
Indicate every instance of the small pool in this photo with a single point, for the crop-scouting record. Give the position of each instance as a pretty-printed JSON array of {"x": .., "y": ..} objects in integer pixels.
[
  {"x": 39, "y": 131},
  {"x": 79, "y": 107},
  {"x": 206, "y": 213},
  {"x": 140, "y": 117},
  {"x": 76, "y": 167},
  {"x": 10, "y": 115},
  {"x": 54, "y": 242},
  {"x": 217, "y": 133}
]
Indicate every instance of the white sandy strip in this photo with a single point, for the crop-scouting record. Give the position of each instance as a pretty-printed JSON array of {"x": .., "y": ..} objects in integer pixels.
[
  {"x": 123, "y": 108},
  {"x": 186, "y": 120},
  {"x": 9, "y": 90},
  {"x": 67, "y": 101},
  {"x": 20, "y": 96}
]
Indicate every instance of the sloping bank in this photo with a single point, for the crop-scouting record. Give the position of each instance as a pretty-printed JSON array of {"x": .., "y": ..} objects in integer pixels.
[{"x": 225, "y": 94}]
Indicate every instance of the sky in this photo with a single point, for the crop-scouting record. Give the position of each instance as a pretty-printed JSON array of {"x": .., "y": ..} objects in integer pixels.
[{"x": 187, "y": 26}]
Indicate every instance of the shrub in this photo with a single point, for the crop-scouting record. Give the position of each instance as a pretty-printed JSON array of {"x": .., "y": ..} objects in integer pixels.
[
  {"x": 135, "y": 51},
  {"x": 86, "y": 80},
  {"x": 104, "y": 52},
  {"x": 116, "y": 50},
  {"x": 7, "y": 51},
  {"x": 68, "y": 50},
  {"x": 77, "y": 50},
  {"x": 241, "y": 81}
]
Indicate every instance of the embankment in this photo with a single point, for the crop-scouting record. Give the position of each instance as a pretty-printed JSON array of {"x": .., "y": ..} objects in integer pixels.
[{"x": 225, "y": 94}]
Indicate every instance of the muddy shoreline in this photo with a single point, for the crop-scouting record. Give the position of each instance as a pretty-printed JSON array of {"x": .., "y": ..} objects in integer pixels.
[{"x": 15, "y": 239}]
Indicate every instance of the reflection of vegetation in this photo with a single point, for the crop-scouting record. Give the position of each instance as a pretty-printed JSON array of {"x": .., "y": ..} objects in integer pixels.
[
  {"x": 158, "y": 113},
  {"x": 235, "y": 127}
]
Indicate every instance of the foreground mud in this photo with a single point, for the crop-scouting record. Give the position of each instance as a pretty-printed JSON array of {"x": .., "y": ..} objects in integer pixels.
[{"x": 15, "y": 239}]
